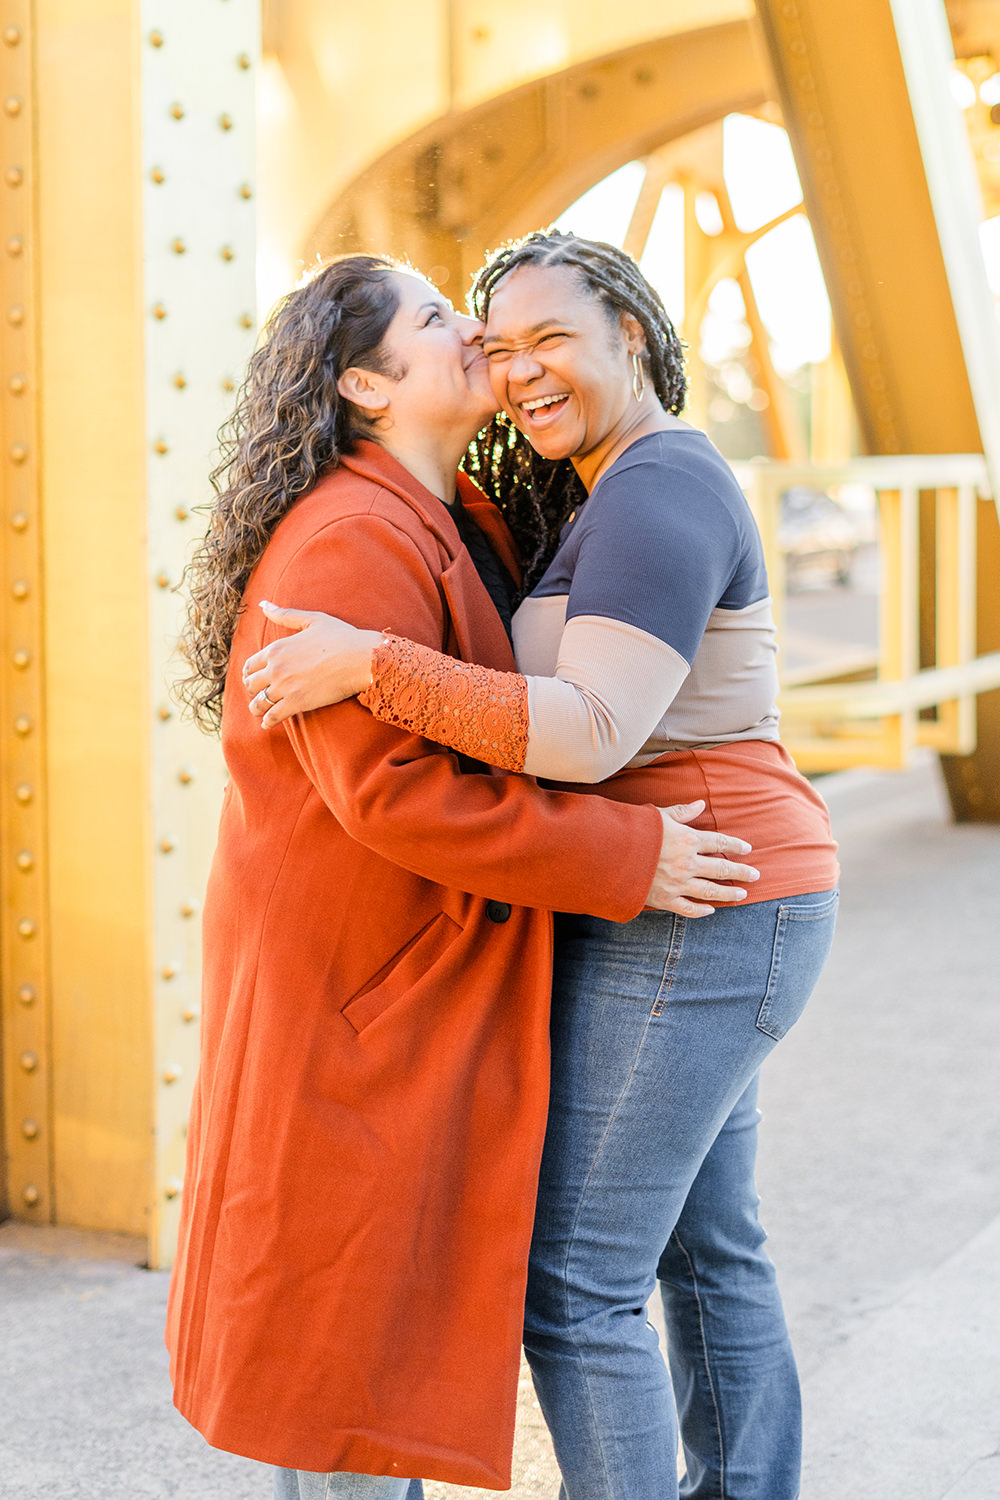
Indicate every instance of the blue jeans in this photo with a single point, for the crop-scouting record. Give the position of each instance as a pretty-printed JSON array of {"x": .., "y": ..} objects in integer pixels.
[
  {"x": 660, "y": 1026},
  {"x": 302, "y": 1484}
]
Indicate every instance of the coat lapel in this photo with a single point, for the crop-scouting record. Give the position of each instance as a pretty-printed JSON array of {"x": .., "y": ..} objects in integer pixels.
[{"x": 476, "y": 628}]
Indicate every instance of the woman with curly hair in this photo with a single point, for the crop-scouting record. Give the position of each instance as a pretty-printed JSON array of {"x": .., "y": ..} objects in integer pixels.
[
  {"x": 645, "y": 644},
  {"x": 368, "y": 1118}
]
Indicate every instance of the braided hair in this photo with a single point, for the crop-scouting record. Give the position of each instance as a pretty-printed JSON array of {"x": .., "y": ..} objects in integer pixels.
[{"x": 535, "y": 494}]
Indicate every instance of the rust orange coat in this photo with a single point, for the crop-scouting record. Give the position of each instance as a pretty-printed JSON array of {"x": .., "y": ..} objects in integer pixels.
[{"x": 370, "y": 1106}]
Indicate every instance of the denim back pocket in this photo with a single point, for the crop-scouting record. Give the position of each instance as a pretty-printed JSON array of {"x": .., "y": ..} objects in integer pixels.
[{"x": 803, "y": 933}]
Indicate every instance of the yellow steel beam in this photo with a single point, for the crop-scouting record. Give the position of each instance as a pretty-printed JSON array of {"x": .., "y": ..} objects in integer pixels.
[
  {"x": 975, "y": 36},
  {"x": 955, "y": 615},
  {"x": 92, "y": 465},
  {"x": 495, "y": 49},
  {"x": 342, "y": 91},
  {"x": 841, "y": 704},
  {"x": 197, "y": 149},
  {"x": 927, "y": 56},
  {"x": 831, "y": 435},
  {"x": 465, "y": 182},
  {"x": 26, "y": 1186},
  {"x": 886, "y": 179},
  {"x": 695, "y": 163},
  {"x": 847, "y": 109},
  {"x": 899, "y": 615},
  {"x": 659, "y": 171},
  {"x": 133, "y": 273}
]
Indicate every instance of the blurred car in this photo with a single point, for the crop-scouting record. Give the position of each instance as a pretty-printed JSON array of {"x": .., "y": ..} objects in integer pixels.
[{"x": 817, "y": 533}]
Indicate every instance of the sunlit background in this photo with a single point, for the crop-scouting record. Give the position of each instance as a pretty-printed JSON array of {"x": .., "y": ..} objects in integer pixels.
[
  {"x": 783, "y": 268},
  {"x": 173, "y": 167},
  {"x": 763, "y": 199}
]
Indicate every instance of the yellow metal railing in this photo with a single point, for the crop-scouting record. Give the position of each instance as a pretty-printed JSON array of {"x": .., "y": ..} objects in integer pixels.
[{"x": 894, "y": 700}]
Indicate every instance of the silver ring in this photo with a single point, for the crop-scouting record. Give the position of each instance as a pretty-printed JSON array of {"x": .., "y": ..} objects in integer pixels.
[{"x": 267, "y": 695}]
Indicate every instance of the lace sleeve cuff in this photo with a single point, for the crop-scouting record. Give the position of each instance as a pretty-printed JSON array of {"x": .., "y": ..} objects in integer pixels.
[{"x": 475, "y": 710}]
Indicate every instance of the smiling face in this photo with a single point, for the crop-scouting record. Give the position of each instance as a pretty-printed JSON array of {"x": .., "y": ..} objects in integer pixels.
[
  {"x": 439, "y": 383},
  {"x": 560, "y": 366}
]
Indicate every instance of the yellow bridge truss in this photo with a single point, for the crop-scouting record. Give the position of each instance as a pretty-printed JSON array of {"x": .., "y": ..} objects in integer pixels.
[{"x": 136, "y": 190}]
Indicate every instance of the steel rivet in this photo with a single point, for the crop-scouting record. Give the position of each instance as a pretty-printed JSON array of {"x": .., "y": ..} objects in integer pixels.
[
  {"x": 14, "y": 176},
  {"x": 164, "y": 713},
  {"x": 17, "y": 385},
  {"x": 18, "y": 453},
  {"x": 159, "y": 311},
  {"x": 12, "y": 106},
  {"x": 243, "y": 60},
  {"x": 156, "y": 38},
  {"x": 19, "y": 520},
  {"x": 30, "y": 1129},
  {"x": 158, "y": 175},
  {"x": 15, "y": 316},
  {"x": 182, "y": 513},
  {"x": 177, "y": 111},
  {"x": 28, "y": 1061},
  {"x": 225, "y": 122},
  {"x": 23, "y": 725},
  {"x": 26, "y": 994},
  {"x": 31, "y": 1195},
  {"x": 160, "y": 447},
  {"x": 180, "y": 381},
  {"x": 227, "y": 252},
  {"x": 26, "y": 928},
  {"x": 172, "y": 1072},
  {"x": 20, "y": 588},
  {"x": 190, "y": 1013},
  {"x": 172, "y": 1188},
  {"x": 12, "y": 35},
  {"x": 166, "y": 846},
  {"x": 21, "y": 659},
  {"x": 246, "y": 191},
  {"x": 168, "y": 972},
  {"x": 15, "y": 245},
  {"x": 188, "y": 908},
  {"x": 163, "y": 579},
  {"x": 24, "y": 793},
  {"x": 25, "y": 861},
  {"x": 185, "y": 775},
  {"x": 246, "y": 321}
]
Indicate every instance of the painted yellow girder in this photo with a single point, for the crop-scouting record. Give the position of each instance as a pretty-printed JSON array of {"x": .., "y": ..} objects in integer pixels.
[{"x": 126, "y": 293}]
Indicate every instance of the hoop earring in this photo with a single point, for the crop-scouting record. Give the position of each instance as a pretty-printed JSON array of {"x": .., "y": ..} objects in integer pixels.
[{"x": 638, "y": 377}]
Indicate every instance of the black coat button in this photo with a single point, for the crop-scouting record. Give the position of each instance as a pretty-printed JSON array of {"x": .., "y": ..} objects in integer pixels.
[{"x": 497, "y": 911}]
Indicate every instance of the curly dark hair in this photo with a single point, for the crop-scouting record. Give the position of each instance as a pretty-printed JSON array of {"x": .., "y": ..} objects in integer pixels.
[
  {"x": 535, "y": 494},
  {"x": 289, "y": 427}
]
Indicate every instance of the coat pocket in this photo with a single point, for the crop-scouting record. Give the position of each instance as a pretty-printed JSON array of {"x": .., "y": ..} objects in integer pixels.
[{"x": 403, "y": 971}]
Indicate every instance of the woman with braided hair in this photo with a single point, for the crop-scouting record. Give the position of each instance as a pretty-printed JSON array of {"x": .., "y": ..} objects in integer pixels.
[{"x": 645, "y": 648}]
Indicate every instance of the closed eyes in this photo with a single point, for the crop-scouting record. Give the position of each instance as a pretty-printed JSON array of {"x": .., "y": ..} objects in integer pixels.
[{"x": 498, "y": 352}]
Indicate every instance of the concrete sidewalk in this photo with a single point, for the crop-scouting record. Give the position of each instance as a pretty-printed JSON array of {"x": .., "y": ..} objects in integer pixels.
[{"x": 880, "y": 1179}]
